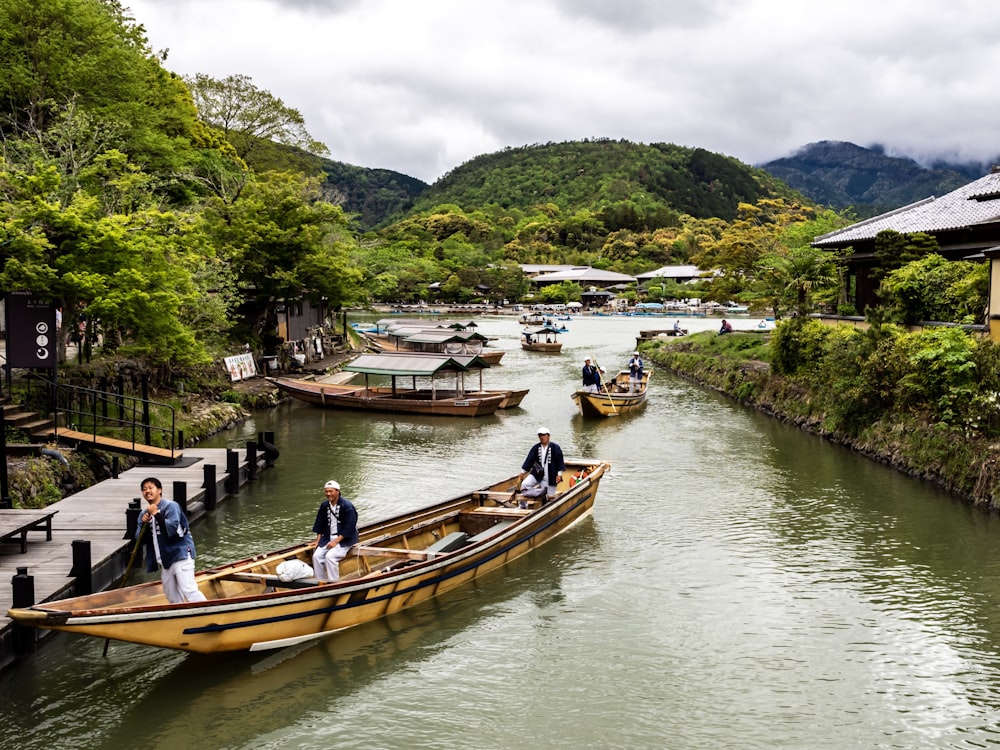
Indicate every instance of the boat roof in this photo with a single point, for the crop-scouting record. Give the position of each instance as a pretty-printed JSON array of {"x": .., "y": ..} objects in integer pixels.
[
  {"x": 437, "y": 337},
  {"x": 543, "y": 329},
  {"x": 393, "y": 363}
]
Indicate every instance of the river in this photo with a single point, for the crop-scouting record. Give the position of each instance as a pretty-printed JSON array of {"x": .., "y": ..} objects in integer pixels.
[{"x": 740, "y": 584}]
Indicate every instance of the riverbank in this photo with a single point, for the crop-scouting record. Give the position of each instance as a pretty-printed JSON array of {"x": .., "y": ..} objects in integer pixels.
[{"x": 945, "y": 456}]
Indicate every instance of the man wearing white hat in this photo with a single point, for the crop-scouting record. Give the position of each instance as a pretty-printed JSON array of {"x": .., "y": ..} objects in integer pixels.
[
  {"x": 336, "y": 530},
  {"x": 542, "y": 470},
  {"x": 635, "y": 372}
]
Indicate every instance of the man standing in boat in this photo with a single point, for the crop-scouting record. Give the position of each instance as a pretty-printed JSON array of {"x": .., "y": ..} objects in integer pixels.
[
  {"x": 170, "y": 545},
  {"x": 542, "y": 470},
  {"x": 591, "y": 377},
  {"x": 336, "y": 530},
  {"x": 635, "y": 372}
]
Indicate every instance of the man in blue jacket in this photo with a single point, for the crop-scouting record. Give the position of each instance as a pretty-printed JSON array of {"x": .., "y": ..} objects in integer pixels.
[
  {"x": 542, "y": 470},
  {"x": 336, "y": 530},
  {"x": 170, "y": 545},
  {"x": 591, "y": 377}
]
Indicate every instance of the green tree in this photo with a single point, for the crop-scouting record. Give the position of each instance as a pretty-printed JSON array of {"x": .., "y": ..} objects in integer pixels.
[
  {"x": 933, "y": 288},
  {"x": 284, "y": 242},
  {"x": 249, "y": 116}
]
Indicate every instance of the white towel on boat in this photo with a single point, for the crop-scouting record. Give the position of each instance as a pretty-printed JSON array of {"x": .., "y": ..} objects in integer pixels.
[{"x": 293, "y": 570}]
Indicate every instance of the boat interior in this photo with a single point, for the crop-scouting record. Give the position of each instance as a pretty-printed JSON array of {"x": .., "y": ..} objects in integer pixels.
[{"x": 383, "y": 547}]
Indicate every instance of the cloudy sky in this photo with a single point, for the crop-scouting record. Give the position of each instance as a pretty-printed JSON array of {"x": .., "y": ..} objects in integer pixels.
[{"x": 421, "y": 86}]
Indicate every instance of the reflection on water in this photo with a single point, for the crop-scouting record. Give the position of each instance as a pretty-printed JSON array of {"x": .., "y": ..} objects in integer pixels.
[{"x": 739, "y": 585}]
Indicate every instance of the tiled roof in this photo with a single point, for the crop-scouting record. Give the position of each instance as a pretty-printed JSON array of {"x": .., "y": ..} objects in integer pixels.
[
  {"x": 671, "y": 272},
  {"x": 585, "y": 274},
  {"x": 975, "y": 203}
]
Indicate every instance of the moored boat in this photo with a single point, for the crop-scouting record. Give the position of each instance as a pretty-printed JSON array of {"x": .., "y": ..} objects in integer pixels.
[
  {"x": 615, "y": 398},
  {"x": 397, "y": 563}
]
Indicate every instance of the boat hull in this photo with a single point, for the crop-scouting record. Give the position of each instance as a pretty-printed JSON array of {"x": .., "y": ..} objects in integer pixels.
[
  {"x": 402, "y": 401},
  {"x": 616, "y": 400},
  {"x": 262, "y": 616},
  {"x": 552, "y": 348}
]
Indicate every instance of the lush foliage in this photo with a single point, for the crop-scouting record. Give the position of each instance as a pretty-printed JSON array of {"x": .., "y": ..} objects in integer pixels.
[{"x": 943, "y": 375}]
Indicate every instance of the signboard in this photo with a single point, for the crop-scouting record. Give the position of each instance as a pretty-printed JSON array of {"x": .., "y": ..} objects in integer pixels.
[
  {"x": 31, "y": 331},
  {"x": 240, "y": 366}
]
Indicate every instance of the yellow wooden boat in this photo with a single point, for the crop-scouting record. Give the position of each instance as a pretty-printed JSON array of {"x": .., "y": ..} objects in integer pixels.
[
  {"x": 615, "y": 398},
  {"x": 397, "y": 563}
]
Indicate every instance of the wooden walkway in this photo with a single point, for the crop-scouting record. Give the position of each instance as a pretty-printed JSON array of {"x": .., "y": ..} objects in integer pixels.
[
  {"x": 147, "y": 452},
  {"x": 98, "y": 515}
]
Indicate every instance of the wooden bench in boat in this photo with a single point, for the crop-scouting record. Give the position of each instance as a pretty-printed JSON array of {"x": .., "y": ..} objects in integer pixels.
[
  {"x": 266, "y": 579},
  {"x": 15, "y": 523},
  {"x": 492, "y": 531}
]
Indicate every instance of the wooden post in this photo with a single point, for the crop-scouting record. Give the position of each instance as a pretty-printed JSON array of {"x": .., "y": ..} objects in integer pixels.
[
  {"x": 82, "y": 569},
  {"x": 23, "y": 586},
  {"x": 252, "y": 458},
  {"x": 233, "y": 471},
  {"x": 181, "y": 495},
  {"x": 211, "y": 488}
]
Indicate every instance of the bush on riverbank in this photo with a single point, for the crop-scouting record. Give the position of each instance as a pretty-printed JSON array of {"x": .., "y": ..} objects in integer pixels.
[{"x": 925, "y": 402}]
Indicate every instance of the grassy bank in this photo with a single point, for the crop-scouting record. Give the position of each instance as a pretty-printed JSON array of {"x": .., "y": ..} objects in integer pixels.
[{"x": 961, "y": 460}]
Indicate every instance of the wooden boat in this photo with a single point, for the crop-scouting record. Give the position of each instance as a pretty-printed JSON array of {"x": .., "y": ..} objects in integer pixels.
[
  {"x": 398, "y": 562},
  {"x": 414, "y": 337},
  {"x": 544, "y": 339},
  {"x": 616, "y": 398},
  {"x": 455, "y": 399}
]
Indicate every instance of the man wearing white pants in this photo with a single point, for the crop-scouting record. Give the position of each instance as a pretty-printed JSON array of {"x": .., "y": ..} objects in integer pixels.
[
  {"x": 542, "y": 470},
  {"x": 170, "y": 546},
  {"x": 336, "y": 530}
]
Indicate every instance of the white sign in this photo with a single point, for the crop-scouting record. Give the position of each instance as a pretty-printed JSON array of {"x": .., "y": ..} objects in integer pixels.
[{"x": 241, "y": 366}]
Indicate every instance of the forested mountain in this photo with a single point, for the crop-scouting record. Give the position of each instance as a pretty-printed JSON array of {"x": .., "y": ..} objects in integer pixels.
[
  {"x": 839, "y": 174},
  {"x": 370, "y": 196},
  {"x": 593, "y": 174}
]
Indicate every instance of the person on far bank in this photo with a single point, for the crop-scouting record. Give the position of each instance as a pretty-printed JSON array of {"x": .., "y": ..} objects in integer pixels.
[
  {"x": 170, "y": 545},
  {"x": 726, "y": 327},
  {"x": 542, "y": 470},
  {"x": 591, "y": 377},
  {"x": 635, "y": 372},
  {"x": 336, "y": 530}
]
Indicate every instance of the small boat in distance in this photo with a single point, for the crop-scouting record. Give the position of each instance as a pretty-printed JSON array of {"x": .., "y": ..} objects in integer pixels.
[
  {"x": 616, "y": 397},
  {"x": 398, "y": 562},
  {"x": 544, "y": 339}
]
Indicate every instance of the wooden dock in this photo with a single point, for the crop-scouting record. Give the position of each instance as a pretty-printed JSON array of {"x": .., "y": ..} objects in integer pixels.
[{"x": 100, "y": 516}]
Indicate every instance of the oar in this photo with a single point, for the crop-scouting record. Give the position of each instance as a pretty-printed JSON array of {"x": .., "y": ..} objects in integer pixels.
[
  {"x": 604, "y": 383},
  {"x": 128, "y": 570}
]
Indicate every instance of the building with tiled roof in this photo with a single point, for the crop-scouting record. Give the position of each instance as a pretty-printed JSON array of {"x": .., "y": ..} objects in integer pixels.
[
  {"x": 680, "y": 274},
  {"x": 965, "y": 222},
  {"x": 585, "y": 276}
]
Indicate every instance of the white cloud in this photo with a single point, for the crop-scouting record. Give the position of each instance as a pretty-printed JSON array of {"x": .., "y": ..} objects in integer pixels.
[{"x": 422, "y": 87}]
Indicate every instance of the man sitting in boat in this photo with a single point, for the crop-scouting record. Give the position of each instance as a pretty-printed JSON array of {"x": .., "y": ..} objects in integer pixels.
[
  {"x": 591, "y": 377},
  {"x": 635, "y": 372},
  {"x": 678, "y": 331},
  {"x": 542, "y": 470},
  {"x": 336, "y": 530}
]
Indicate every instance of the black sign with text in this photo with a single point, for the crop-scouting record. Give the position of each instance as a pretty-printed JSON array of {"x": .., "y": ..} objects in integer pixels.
[{"x": 31, "y": 331}]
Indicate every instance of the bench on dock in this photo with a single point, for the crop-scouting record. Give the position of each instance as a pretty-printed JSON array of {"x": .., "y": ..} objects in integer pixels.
[{"x": 15, "y": 523}]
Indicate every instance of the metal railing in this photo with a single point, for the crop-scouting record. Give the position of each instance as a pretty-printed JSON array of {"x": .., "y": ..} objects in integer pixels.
[{"x": 110, "y": 414}]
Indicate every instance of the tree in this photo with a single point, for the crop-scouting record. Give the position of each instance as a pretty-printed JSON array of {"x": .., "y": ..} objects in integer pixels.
[
  {"x": 791, "y": 278},
  {"x": 283, "y": 241},
  {"x": 933, "y": 288},
  {"x": 248, "y": 115},
  {"x": 78, "y": 78}
]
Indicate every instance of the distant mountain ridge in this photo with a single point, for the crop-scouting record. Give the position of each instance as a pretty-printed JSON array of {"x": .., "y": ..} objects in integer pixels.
[
  {"x": 595, "y": 173},
  {"x": 839, "y": 174}
]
